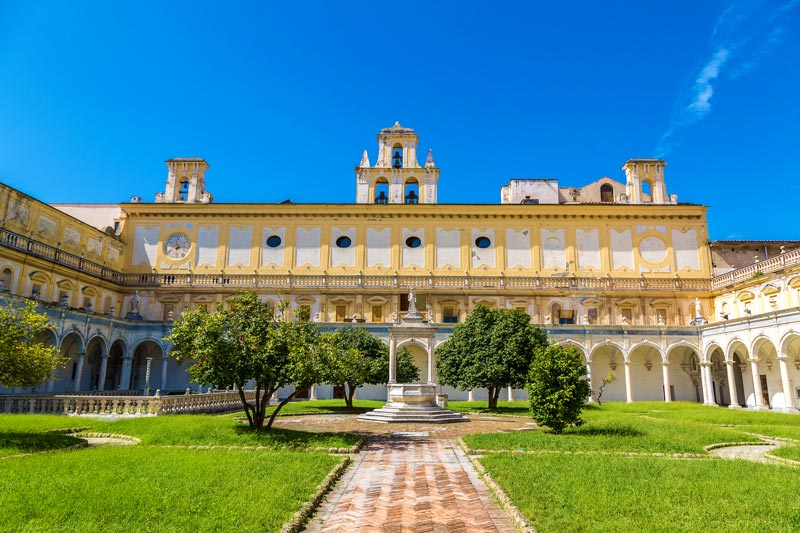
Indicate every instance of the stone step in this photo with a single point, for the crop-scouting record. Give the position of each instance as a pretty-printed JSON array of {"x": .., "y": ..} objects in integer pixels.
[{"x": 406, "y": 414}]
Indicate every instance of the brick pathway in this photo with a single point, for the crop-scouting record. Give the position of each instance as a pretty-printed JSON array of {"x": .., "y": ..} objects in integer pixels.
[{"x": 411, "y": 485}]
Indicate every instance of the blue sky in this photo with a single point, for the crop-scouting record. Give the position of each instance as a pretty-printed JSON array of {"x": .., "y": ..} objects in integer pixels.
[{"x": 281, "y": 98}]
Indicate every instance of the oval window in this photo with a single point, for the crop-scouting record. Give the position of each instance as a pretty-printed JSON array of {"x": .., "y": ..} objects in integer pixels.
[
  {"x": 273, "y": 241},
  {"x": 343, "y": 242},
  {"x": 483, "y": 242},
  {"x": 413, "y": 242}
]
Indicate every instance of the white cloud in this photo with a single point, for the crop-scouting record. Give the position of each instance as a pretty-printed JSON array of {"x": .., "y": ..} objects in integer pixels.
[{"x": 744, "y": 34}]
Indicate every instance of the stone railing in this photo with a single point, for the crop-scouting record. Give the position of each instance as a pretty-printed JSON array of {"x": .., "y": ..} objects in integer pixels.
[
  {"x": 389, "y": 281},
  {"x": 756, "y": 270},
  {"x": 289, "y": 280},
  {"x": 74, "y": 404}
]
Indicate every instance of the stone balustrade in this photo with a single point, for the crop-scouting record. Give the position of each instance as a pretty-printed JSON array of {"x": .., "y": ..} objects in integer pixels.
[
  {"x": 119, "y": 405},
  {"x": 756, "y": 270}
]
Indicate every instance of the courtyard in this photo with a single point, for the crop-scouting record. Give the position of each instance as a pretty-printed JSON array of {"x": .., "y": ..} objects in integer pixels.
[{"x": 630, "y": 467}]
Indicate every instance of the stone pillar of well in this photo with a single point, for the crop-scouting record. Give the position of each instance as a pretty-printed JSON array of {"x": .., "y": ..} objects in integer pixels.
[
  {"x": 392, "y": 360},
  {"x": 732, "y": 385}
]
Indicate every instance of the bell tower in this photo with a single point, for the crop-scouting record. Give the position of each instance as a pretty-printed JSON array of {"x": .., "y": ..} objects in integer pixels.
[
  {"x": 397, "y": 177},
  {"x": 645, "y": 182},
  {"x": 186, "y": 182}
]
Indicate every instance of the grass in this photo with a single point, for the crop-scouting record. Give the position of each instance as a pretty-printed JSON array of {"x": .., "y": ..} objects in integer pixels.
[
  {"x": 504, "y": 407},
  {"x": 788, "y": 452},
  {"x": 328, "y": 407},
  {"x": 138, "y": 488},
  {"x": 599, "y": 493},
  {"x": 645, "y": 427},
  {"x": 152, "y": 487}
]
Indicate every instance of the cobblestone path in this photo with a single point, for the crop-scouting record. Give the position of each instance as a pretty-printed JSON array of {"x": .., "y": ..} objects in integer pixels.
[{"x": 414, "y": 485}]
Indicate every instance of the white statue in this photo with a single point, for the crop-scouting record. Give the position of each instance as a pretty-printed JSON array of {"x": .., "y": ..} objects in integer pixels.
[
  {"x": 697, "y": 311},
  {"x": 412, "y": 302}
]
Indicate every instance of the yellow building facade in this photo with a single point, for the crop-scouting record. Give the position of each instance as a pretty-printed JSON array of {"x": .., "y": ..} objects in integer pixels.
[{"x": 620, "y": 270}]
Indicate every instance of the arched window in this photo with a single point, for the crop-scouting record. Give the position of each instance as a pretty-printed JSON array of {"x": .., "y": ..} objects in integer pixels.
[
  {"x": 411, "y": 193},
  {"x": 5, "y": 279},
  {"x": 646, "y": 192},
  {"x": 381, "y": 191},
  {"x": 606, "y": 193},
  {"x": 397, "y": 156},
  {"x": 184, "y": 192}
]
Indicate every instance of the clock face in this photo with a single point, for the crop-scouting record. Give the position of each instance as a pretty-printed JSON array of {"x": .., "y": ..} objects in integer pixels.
[{"x": 177, "y": 246}]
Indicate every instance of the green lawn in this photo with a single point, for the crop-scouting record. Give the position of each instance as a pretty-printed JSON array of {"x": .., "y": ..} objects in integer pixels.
[
  {"x": 136, "y": 488},
  {"x": 649, "y": 427},
  {"x": 151, "y": 487},
  {"x": 788, "y": 452},
  {"x": 594, "y": 491},
  {"x": 600, "y": 493}
]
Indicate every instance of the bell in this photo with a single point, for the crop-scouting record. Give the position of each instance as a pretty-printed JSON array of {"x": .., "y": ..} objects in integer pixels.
[{"x": 397, "y": 160}]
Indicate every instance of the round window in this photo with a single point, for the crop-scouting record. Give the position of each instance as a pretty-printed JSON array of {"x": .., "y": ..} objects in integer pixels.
[
  {"x": 273, "y": 241},
  {"x": 413, "y": 242},
  {"x": 483, "y": 242},
  {"x": 343, "y": 242}
]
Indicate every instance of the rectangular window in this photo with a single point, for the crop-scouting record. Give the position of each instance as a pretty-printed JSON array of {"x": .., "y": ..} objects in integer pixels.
[
  {"x": 449, "y": 315},
  {"x": 567, "y": 316},
  {"x": 627, "y": 314},
  {"x": 377, "y": 313},
  {"x": 341, "y": 313}
]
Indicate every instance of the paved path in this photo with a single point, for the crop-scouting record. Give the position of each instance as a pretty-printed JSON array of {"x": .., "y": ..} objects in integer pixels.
[
  {"x": 410, "y": 485},
  {"x": 749, "y": 452}
]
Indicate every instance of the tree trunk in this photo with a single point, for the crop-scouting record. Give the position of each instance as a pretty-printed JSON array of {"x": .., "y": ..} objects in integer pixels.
[
  {"x": 247, "y": 406},
  {"x": 494, "y": 393},
  {"x": 349, "y": 392},
  {"x": 279, "y": 407}
]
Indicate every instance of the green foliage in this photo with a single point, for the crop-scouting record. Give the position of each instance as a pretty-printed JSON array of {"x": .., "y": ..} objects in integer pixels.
[
  {"x": 607, "y": 380},
  {"x": 249, "y": 342},
  {"x": 358, "y": 358},
  {"x": 23, "y": 361},
  {"x": 492, "y": 349},
  {"x": 557, "y": 389}
]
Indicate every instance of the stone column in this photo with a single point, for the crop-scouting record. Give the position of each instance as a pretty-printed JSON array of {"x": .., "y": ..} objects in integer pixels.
[
  {"x": 510, "y": 393},
  {"x": 312, "y": 393},
  {"x": 708, "y": 386},
  {"x": 392, "y": 360},
  {"x": 628, "y": 384},
  {"x": 125, "y": 379},
  {"x": 732, "y": 385},
  {"x": 788, "y": 398},
  {"x": 431, "y": 356},
  {"x": 471, "y": 395},
  {"x": 665, "y": 378},
  {"x": 164, "y": 362},
  {"x": 591, "y": 383},
  {"x": 101, "y": 382},
  {"x": 757, "y": 392},
  {"x": 147, "y": 376},
  {"x": 79, "y": 371}
]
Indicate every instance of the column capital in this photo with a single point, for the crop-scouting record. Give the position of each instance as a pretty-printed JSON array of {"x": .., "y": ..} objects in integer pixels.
[
  {"x": 730, "y": 362},
  {"x": 753, "y": 359},
  {"x": 782, "y": 357},
  {"x": 705, "y": 364},
  {"x": 664, "y": 363}
]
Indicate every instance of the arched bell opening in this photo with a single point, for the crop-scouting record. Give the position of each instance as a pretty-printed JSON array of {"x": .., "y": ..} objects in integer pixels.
[
  {"x": 397, "y": 156},
  {"x": 411, "y": 191},
  {"x": 381, "y": 191}
]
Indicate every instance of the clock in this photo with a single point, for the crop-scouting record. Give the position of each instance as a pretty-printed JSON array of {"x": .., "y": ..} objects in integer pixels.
[{"x": 177, "y": 246}]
